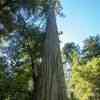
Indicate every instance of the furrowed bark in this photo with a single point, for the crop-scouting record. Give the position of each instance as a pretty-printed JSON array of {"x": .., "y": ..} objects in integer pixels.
[{"x": 51, "y": 84}]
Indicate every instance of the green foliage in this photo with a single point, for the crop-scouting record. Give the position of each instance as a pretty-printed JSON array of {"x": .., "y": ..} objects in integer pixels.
[
  {"x": 85, "y": 79},
  {"x": 19, "y": 85},
  {"x": 10, "y": 8}
]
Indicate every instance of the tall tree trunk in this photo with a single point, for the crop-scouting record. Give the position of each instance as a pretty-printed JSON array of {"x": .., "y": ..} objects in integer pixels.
[{"x": 51, "y": 83}]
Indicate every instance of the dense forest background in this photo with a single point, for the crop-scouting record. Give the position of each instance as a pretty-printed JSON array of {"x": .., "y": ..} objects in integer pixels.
[{"x": 30, "y": 59}]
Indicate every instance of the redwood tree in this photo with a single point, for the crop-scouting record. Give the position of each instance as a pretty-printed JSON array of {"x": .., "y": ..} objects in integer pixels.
[{"x": 51, "y": 85}]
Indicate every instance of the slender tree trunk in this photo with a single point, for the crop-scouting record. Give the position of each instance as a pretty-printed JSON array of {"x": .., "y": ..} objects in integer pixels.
[{"x": 51, "y": 85}]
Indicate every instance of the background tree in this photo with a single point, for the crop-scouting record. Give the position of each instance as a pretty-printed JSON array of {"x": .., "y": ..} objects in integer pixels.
[
  {"x": 91, "y": 47},
  {"x": 69, "y": 49},
  {"x": 85, "y": 80},
  {"x": 85, "y": 70}
]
